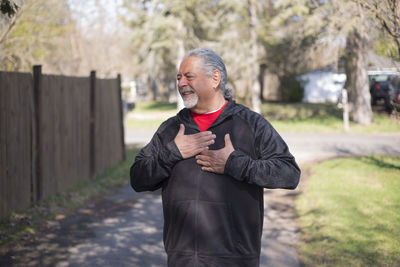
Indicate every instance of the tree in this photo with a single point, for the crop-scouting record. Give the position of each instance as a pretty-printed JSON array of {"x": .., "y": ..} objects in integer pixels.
[
  {"x": 327, "y": 21},
  {"x": 32, "y": 34},
  {"x": 163, "y": 30},
  {"x": 56, "y": 34},
  {"x": 357, "y": 82},
  {"x": 255, "y": 66},
  {"x": 8, "y": 7},
  {"x": 98, "y": 41},
  {"x": 387, "y": 15},
  {"x": 157, "y": 30}
]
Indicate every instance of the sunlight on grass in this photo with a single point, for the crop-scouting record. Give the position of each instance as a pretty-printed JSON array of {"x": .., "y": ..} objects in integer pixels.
[
  {"x": 349, "y": 213},
  {"x": 149, "y": 115},
  {"x": 321, "y": 118},
  {"x": 152, "y": 106}
]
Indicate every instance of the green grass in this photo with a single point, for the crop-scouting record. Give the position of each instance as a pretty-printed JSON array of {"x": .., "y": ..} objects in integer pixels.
[
  {"x": 28, "y": 221},
  {"x": 149, "y": 115},
  {"x": 349, "y": 213},
  {"x": 152, "y": 106},
  {"x": 321, "y": 118},
  {"x": 293, "y": 117}
]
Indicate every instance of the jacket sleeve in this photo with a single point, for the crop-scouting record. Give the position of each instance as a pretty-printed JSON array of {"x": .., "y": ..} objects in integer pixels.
[
  {"x": 153, "y": 164},
  {"x": 274, "y": 167}
]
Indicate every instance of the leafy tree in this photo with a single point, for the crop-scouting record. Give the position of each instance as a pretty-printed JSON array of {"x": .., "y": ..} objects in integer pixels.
[
  {"x": 254, "y": 64},
  {"x": 33, "y": 34},
  {"x": 163, "y": 30},
  {"x": 8, "y": 7},
  {"x": 322, "y": 24},
  {"x": 386, "y": 46},
  {"x": 387, "y": 14},
  {"x": 48, "y": 32}
]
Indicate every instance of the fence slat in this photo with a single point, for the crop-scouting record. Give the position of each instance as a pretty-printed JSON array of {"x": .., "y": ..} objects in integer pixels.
[
  {"x": 107, "y": 124},
  {"x": 121, "y": 117},
  {"x": 15, "y": 141},
  {"x": 37, "y": 73}
]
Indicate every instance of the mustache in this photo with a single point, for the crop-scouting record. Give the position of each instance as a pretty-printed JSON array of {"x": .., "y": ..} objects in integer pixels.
[{"x": 186, "y": 89}]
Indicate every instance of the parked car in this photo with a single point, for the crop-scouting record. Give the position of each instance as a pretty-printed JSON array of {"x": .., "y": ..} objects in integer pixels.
[
  {"x": 383, "y": 88},
  {"x": 394, "y": 92}
]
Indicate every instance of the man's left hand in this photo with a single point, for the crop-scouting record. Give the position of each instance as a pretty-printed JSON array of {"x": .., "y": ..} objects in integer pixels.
[{"x": 215, "y": 160}]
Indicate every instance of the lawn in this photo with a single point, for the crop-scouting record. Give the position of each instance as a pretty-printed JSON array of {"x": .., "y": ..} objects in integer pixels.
[
  {"x": 149, "y": 115},
  {"x": 321, "y": 118},
  {"x": 152, "y": 106},
  {"x": 294, "y": 117},
  {"x": 349, "y": 213}
]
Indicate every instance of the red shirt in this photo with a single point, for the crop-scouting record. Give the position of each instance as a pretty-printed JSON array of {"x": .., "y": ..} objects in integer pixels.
[{"x": 205, "y": 120}]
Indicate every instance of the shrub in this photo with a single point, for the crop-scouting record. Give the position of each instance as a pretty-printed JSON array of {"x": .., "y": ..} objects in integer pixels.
[{"x": 291, "y": 89}]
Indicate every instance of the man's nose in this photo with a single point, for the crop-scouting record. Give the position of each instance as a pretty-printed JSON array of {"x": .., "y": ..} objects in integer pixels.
[{"x": 182, "y": 82}]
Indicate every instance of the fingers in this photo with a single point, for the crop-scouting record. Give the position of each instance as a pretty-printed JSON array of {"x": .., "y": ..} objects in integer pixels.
[
  {"x": 193, "y": 144},
  {"x": 199, "y": 150},
  {"x": 227, "y": 139},
  {"x": 181, "y": 130},
  {"x": 204, "y": 136},
  {"x": 204, "y": 159},
  {"x": 202, "y": 139},
  {"x": 204, "y": 163},
  {"x": 228, "y": 142},
  {"x": 207, "y": 169}
]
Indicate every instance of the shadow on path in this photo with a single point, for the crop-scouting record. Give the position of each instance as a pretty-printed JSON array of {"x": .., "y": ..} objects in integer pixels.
[{"x": 123, "y": 229}]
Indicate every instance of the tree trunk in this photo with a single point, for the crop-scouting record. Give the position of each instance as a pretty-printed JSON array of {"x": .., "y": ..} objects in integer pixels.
[
  {"x": 162, "y": 90},
  {"x": 397, "y": 40},
  {"x": 261, "y": 77},
  {"x": 151, "y": 89},
  {"x": 255, "y": 68},
  {"x": 357, "y": 82}
]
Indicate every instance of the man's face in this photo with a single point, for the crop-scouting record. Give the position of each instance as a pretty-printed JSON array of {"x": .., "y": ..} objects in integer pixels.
[{"x": 194, "y": 85}]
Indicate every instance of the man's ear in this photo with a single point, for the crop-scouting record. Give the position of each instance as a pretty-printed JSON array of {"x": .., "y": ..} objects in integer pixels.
[{"x": 216, "y": 78}]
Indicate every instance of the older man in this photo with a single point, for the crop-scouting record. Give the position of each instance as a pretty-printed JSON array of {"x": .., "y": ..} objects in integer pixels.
[{"x": 212, "y": 161}]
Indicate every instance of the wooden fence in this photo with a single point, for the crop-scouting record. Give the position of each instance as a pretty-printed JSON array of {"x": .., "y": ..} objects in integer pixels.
[{"x": 55, "y": 131}]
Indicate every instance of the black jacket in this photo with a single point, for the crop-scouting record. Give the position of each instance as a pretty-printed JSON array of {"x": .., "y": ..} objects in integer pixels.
[{"x": 212, "y": 219}]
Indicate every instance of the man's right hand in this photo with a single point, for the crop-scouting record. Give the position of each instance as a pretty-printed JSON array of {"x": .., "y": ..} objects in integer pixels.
[{"x": 193, "y": 144}]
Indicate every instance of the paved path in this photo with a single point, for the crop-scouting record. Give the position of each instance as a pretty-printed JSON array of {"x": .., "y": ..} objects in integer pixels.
[{"x": 125, "y": 228}]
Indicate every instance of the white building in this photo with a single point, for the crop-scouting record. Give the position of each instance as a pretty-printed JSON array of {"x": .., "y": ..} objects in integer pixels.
[{"x": 322, "y": 86}]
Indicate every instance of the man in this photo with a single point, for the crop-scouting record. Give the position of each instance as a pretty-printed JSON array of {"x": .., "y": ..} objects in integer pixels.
[{"x": 212, "y": 161}]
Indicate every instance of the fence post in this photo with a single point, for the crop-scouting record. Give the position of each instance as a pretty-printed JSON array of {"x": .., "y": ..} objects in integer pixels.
[
  {"x": 92, "y": 141},
  {"x": 121, "y": 117},
  {"x": 345, "y": 110},
  {"x": 37, "y": 80}
]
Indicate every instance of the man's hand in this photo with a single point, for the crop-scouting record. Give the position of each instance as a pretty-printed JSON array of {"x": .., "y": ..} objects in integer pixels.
[
  {"x": 215, "y": 160},
  {"x": 193, "y": 144}
]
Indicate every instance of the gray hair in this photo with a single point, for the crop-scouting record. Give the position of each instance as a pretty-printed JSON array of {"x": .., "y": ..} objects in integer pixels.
[{"x": 211, "y": 62}]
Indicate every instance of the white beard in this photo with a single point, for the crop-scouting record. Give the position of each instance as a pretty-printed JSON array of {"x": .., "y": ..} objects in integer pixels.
[{"x": 191, "y": 102}]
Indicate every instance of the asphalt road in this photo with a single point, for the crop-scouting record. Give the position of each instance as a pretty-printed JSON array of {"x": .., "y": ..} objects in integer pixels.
[
  {"x": 310, "y": 147},
  {"x": 125, "y": 228}
]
